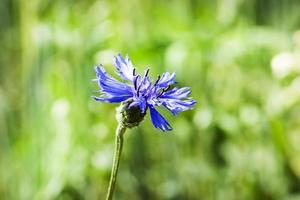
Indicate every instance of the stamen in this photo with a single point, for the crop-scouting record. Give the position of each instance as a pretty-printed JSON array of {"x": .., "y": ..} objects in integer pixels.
[
  {"x": 166, "y": 89},
  {"x": 138, "y": 90},
  {"x": 147, "y": 72},
  {"x": 135, "y": 82},
  {"x": 158, "y": 78},
  {"x": 163, "y": 91},
  {"x": 133, "y": 72}
]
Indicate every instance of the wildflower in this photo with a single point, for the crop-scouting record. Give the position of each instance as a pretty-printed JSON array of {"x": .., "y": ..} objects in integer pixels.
[{"x": 137, "y": 93}]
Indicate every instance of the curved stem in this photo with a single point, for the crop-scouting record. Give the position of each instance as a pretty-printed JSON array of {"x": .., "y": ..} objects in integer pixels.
[{"x": 117, "y": 155}]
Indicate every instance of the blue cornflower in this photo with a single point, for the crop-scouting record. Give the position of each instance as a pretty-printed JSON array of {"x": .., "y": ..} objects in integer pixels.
[{"x": 142, "y": 93}]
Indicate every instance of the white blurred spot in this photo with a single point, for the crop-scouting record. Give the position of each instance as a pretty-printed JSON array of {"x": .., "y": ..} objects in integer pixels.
[
  {"x": 103, "y": 159},
  {"x": 60, "y": 109},
  {"x": 169, "y": 189},
  {"x": 296, "y": 37},
  {"x": 228, "y": 122},
  {"x": 203, "y": 118},
  {"x": 66, "y": 38},
  {"x": 275, "y": 102},
  {"x": 104, "y": 57},
  {"x": 282, "y": 64},
  {"x": 176, "y": 55},
  {"x": 58, "y": 149},
  {"x": 100, "y": 130},
  {"x": 41, "y": 34},
  {"x": 282, "y": 99},
  {"x": 249, "y": 115},
  {"x": 295, "y": 86},
  {"x": 227, "y": 10}
]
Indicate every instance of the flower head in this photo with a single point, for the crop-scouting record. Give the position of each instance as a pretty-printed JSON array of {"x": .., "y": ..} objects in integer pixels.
[{"x": 139, "y": 93}]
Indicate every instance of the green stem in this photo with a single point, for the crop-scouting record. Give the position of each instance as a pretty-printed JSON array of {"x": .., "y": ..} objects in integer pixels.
[{"x": 117, "y": 155}]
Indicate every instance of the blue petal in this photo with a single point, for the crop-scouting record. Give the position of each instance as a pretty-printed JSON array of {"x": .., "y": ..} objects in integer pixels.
[
  {"x": 110, "y": 86},
  {"x": 124, "y": 67},
  {"x": 158, "y": 120},
  {"x": 113, "y": 99},
  {"x": 176, "y": 93},
  {"x": 166, "y": 79},
  {"x": 176, "y": 105},
  {"x": 176, "y": 100}
]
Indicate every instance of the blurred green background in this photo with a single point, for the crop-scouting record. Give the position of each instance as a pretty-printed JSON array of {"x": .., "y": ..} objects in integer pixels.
[{"x": 241, "y": 58}]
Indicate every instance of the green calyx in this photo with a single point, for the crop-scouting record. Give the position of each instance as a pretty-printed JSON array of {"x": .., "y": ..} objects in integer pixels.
[{"x": 129, "y": 117}]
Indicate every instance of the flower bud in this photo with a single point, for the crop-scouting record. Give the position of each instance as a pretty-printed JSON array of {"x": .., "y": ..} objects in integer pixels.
[{"x": 129, "y": 117}]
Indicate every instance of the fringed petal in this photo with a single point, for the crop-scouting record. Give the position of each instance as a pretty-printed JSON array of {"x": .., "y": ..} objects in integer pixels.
[
  {"x": 158, "y": 120},
  {"x": 124, "y": 67}
]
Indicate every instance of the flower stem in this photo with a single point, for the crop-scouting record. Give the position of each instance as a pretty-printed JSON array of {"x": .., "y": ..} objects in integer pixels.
[{"x": 117, "y": 155}]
